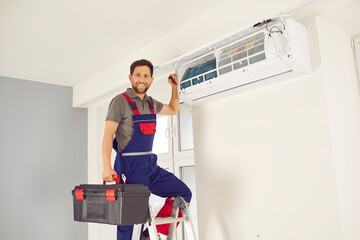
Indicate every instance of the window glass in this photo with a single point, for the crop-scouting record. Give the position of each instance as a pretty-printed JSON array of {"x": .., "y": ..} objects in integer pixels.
[
  {"x": 161, "y": 141},
  {"x": 185, "y": 127}
]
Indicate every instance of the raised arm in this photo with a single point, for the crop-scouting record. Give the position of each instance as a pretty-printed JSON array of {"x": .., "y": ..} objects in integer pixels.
[{"x": 173, "y": 107}]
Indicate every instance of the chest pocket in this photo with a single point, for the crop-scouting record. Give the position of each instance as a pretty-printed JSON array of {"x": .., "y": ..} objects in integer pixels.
[{"x": 147, "y": 128}]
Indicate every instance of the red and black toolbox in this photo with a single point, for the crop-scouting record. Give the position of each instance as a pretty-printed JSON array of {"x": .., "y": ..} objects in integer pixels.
[{"x": 118, "y": 204}]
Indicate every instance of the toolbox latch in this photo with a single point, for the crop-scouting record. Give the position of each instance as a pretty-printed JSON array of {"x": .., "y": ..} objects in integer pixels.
[
  {"x": 110, "y": 195},
  {"x": 79, "y": 194}
]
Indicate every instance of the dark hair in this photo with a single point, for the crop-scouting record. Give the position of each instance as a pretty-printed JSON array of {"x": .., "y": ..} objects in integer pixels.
[{"x": 142, "y": 62}]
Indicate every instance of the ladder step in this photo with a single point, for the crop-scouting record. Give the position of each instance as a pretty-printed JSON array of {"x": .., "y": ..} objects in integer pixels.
[{"x": 165, "y": 220}]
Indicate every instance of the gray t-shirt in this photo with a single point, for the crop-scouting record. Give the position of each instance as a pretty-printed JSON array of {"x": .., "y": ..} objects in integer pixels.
[{"x": 119, "y": 111}]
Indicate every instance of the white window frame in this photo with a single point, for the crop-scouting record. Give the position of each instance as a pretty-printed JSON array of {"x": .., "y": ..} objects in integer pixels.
[
  {"x": 172, "y": 134},
  {"x": 175, "y": 159},
  {"x": 177, "y": 152},
  {"x": 169, "y": 154},
  {"x": 182, "y": 162}
]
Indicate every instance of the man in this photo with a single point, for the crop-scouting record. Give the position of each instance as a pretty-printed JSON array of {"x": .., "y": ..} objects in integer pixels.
[{"x": 132, "y": 119}]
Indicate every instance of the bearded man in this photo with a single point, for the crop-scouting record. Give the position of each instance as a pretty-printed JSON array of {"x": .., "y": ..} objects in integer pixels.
[{"x": 131, "y": 118}]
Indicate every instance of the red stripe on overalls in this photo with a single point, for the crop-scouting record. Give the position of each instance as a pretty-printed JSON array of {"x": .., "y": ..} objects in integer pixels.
[
  {"x": 134, "y": 107},
  {"x": 151, "y": 106},
  {"x": 132, "y": 104}
]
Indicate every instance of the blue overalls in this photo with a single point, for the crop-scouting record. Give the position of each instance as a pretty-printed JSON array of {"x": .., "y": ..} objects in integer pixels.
[{"x": 139, "y": 165}]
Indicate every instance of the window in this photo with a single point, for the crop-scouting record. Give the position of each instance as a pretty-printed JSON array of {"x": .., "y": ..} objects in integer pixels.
[
  {"x": 174, "y": 146},
  {"x": 161, "y": 140}
]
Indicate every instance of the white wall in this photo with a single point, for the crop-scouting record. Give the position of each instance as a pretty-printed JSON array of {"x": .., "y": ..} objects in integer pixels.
[
  {"x": 209, "y": 26},
  {"x": 271, "y": 171},
  {"x": 43, "y": 155},
  {"x": 342, "y": 95},
  {"x": 96, "y": 126},
  {"x": 287, "y": 165},
  {"x": 275, "y": 162}
]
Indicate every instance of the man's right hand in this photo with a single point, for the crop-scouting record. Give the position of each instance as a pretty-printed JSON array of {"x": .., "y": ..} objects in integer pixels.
[
  {"x": 107, "y": 175},
  {"x": 110, "y": 129}
]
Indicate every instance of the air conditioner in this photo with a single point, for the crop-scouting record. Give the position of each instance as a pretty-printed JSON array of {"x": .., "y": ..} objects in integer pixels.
[{"x": 271, "y": 49}]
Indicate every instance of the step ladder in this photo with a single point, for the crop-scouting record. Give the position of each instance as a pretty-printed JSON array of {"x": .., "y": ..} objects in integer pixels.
[{"x": 152, "y": 221}]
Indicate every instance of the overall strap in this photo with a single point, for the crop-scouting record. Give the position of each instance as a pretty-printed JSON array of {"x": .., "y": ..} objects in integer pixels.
[
  {"x": 134, "y": 107},
  {"x": 132, "y": 104},
  {"x": 151, "y": 105}
]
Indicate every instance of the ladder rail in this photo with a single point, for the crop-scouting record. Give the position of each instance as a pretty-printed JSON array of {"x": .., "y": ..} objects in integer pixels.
[
  {"x": 137, "y": 232},
  {"x": 189, "y": 226},
  {"x": 152, "y": 222},
  {"x": 173, "y": 222}
]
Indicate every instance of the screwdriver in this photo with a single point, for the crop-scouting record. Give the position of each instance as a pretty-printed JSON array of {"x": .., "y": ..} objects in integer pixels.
[{"x": 172, "y": 80}]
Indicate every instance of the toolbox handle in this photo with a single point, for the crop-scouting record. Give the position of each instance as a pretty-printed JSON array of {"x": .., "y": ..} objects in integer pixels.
[{"x": 115, "y": 177}]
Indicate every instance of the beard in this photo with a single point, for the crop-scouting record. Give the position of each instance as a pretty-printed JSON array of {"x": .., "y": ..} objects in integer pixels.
[{"x": 140, "y": 91}]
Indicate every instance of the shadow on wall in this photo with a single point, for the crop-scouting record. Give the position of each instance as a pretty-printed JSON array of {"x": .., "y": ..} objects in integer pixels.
[
  {"x": 220, "y": 210},
  {"x": 314, "y": 46}
]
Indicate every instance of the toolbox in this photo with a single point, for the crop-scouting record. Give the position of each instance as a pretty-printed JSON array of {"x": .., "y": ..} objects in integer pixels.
[{"x": 118, "y": 204}]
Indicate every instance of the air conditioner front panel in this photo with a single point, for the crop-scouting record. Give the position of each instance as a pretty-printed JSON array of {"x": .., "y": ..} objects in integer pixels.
[
  {"x": 239, "y": 76},
  {"x": 233, "y": 80},
  {"x": 272, "y": 51}
]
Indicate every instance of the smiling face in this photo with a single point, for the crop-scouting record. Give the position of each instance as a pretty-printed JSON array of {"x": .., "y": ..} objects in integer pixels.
[{"x": 141, "y": 80}]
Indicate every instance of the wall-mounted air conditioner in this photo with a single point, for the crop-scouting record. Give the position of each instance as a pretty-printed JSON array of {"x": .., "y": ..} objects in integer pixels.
[{"x": 271, "y": 48}]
